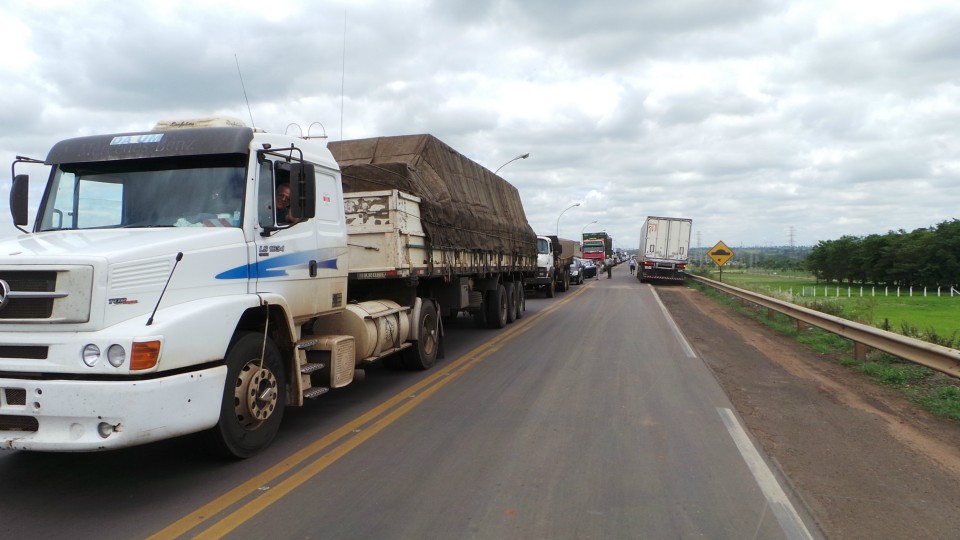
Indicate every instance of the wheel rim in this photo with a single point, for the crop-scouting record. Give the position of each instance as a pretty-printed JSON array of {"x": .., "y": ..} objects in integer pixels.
[
  {"x": 429, "y": 334},
  {"x": 255, "y": 395}
]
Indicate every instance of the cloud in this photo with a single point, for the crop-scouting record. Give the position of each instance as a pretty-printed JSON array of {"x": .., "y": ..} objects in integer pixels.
[{"x": 764, "y": 121}]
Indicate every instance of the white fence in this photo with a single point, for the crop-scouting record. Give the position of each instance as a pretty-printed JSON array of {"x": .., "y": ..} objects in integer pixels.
[{"x": 835, "y": 292}]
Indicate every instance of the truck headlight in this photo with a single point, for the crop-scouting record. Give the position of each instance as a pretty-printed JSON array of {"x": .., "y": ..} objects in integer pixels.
[
  {"x": 91, "y": 355},
  {"x": 116, "y": 355}
]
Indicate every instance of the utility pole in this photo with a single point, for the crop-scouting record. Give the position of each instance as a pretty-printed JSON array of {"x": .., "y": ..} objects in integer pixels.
[{"x": 699, "y": 249}]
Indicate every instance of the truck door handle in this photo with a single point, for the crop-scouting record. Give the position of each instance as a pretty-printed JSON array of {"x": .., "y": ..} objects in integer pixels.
[{"x": 313, "y": 268}]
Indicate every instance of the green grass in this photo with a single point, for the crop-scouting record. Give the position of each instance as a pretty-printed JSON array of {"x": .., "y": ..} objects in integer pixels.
[
  {"x": 930, "y": 314},
  {"x": 944, "y": 401}
]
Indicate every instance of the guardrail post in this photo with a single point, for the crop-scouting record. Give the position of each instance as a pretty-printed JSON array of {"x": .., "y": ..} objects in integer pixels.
[
  {"x": 771, "y": 314},
  {"x": 860, "y": 351}
]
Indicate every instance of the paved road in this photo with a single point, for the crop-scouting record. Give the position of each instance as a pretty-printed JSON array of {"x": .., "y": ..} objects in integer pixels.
[{"x": 591, "y": 417}]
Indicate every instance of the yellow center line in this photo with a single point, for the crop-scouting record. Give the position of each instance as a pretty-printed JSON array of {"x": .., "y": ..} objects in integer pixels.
[{"x": 412, "y": 396}]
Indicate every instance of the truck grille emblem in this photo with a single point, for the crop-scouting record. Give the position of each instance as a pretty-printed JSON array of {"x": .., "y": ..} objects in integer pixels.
[{"x": 4, "y": 293}]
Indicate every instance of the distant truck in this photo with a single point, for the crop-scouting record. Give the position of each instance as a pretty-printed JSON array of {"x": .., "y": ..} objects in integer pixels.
[
  {"x": 664, "y": 249},
  {"x": 598, "y": 247},
  {"x": 159, "y": 293},
  {"x": 554, "y": 257}
]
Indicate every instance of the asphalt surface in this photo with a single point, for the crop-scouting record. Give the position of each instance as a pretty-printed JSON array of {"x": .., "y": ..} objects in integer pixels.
[{"x": 591, "y": 417}]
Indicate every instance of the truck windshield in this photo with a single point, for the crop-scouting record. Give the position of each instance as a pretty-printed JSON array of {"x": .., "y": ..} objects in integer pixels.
[
  {"x": 144, "y": 194},
  {"x": 542, "y": 246}
]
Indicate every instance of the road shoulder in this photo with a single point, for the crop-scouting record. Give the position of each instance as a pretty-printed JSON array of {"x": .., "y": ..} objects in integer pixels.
[{"x": 867, "y": 462}]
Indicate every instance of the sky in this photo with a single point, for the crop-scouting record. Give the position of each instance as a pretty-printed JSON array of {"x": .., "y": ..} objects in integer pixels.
[{"x": 769, "y": 123}]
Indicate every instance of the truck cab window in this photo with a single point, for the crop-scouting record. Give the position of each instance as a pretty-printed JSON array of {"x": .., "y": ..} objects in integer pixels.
[
  {"x": 266, "y": 195},
  {"x": 135, "y": 195},
  {"x": 82, "y": 203}
]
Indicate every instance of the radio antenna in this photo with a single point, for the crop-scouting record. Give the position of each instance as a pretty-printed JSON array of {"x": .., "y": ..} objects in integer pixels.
[
  {"x": 343, "y": 68},
  {"x": 250, "y": 112}
]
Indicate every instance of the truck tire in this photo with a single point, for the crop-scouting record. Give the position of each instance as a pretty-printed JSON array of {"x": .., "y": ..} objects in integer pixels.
[
  {"x": 521, "y": 301},
  {"x": 510, "y": 292},
  {"x": 254, "y": 398},
  {"x": 496, "y": 304},
  {"x": 423, "y": 354},
  {"x": 550, "y": 290}
]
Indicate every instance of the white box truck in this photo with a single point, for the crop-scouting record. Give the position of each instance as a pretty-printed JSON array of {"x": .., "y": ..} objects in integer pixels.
[{"x": 664, "y": 249}]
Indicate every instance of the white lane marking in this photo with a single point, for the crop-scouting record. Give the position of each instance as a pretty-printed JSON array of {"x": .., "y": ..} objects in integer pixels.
[
  {"x": 673, "y": 325},
  {"x": 781, "y": 506}
]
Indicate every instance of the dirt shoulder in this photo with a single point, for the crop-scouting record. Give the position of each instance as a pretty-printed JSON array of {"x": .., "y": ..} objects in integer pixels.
[{"x": 867, "y": 462}]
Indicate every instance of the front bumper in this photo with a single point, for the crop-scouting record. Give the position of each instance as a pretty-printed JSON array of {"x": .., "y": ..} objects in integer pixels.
[{"x": 78, "y": 416}]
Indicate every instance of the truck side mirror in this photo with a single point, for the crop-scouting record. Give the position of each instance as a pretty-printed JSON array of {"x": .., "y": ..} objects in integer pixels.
[
  {"x": 19, "y": 192},
  {"x": 303, "y": 189}
]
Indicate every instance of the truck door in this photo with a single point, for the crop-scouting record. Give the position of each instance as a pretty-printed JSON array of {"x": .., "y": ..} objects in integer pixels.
[{"x": 283, "y": 258}]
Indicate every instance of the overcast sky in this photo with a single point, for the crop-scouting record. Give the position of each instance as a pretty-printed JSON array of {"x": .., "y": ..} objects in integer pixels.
[{"x": 766, "y": 122}]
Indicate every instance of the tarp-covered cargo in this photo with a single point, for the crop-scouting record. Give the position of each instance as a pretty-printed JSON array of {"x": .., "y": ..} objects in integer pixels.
[{"x": 464, "y": 205}]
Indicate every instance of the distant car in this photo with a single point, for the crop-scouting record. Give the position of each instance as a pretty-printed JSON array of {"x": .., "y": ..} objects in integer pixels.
[
  {"x": 589, "y": 269},
  {"x": 576, "y": 272}
]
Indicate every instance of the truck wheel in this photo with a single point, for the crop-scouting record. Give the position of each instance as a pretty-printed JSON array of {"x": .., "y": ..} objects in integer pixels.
[
  {"x": 253, "y": 399},
  {"x": 551, "y": 289},
  {"x": 424, "y": 353},
  {"x": 521, "y": 301},
  {"x": 496, "y": 304},
  {"x": 509, "y": 290}
]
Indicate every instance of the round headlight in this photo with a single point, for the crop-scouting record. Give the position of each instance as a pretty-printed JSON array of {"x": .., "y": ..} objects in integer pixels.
[
  {"x": 116, "y": 355},
  {"x": 91, "y": 355}
]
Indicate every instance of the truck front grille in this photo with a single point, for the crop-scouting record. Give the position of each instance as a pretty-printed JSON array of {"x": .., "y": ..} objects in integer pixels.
[
  {"x": 45, "y": 293},
  {"x": 27, "y": 307},
  {"x": 14, "y": 396},
  {"x": 29, "y": 352},
  {"x": 9, "y": 422}
]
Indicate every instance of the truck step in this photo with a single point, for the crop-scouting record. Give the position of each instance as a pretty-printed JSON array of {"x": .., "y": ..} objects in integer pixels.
[
  {"x": 307, "y": 343},
  {"x": 309, "y": 367},
  {"x": 315, "y": 392}
]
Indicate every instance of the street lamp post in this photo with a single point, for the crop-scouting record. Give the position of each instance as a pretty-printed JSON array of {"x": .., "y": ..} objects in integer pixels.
[
  {"x": 521, "y": 156},
  {"x": 561, "y": 215},
  {"x": 587, "y": 225}
]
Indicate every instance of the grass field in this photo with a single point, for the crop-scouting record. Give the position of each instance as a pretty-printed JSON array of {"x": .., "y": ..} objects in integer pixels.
[
  {"x": 927, "y": 314},
  {"x": 929, "y": 318}
]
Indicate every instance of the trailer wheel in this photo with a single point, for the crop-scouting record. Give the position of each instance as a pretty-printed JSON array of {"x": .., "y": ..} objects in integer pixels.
[
  {"x": 253, "y": 398},
  {"x": 424, "y": 354},
  {"x": 496, "y": 304},
  {"x": 510, "y": 292},
  {"x": 521, "y": 301}
]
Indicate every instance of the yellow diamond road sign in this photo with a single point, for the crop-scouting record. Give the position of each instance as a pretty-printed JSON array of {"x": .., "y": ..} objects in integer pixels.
[{"x": 720, "y": 253}]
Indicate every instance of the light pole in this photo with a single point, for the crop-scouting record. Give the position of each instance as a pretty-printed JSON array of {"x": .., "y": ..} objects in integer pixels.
[
  {"x": 561, "y": 215},
  {"x": 587, "y": 225},
  {"x": 521, "y": 156}
]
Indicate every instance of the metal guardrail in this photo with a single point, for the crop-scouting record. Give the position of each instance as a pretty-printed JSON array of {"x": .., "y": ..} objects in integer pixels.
[{"x": 938, "y": 357}]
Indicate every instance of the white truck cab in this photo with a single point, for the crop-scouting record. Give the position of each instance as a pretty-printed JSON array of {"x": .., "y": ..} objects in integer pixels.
[{"x": 154, "y": 270}]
